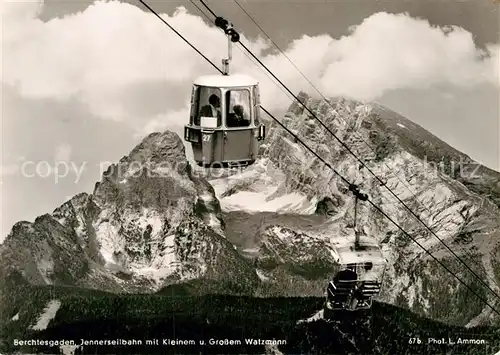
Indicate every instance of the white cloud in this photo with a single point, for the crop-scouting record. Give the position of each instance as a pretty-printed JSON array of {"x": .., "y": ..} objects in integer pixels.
[
  {"x": 115, "y": 62},
  {"x": 389, "y": 51},
  {"x": 97, "y": 55}
]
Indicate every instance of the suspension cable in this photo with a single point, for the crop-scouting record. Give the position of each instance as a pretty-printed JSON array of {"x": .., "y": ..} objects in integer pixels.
[
  {"x": 178, "y": 34},
  {"x": 327, "y": 164},
  {"x": 241, "y": 50},
  {"x": 364, "y": 165},
  {"x": 405, "y": 183}
]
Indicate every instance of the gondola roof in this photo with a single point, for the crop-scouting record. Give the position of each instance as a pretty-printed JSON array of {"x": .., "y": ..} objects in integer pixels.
[{"x": 234, "y": 80}]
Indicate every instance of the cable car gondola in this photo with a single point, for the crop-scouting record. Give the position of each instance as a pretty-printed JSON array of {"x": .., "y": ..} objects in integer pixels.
[
  {"x": 356, "y": 292},
  {"x": 224, "y": 127},
  {"x": 362, "y": 269}
]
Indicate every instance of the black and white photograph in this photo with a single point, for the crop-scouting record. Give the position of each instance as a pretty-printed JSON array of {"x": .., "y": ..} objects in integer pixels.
[{"x": 250, "y": 177}]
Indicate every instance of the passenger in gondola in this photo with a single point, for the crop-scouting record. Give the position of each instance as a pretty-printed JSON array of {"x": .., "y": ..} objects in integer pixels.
[
  {"x": 240, "y": 115},
  {"x": 347, "y": 274},
  {"x": 369, "y": 274},
  {"x": 232, "y": 119},
  {"x": 237, "y": 118},
  {"x": 212, "y": 109}
]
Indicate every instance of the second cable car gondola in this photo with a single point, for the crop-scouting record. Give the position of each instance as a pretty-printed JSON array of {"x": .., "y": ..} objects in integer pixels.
[
  {"x": 224, "y": 127},
  {"x": 361, "y": 274},
  {"x": 362, "y": 270}
]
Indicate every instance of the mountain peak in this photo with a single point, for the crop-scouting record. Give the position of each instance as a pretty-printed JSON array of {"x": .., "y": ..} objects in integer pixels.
[
  {"x": 159, "y": 147},
  {"x": 149, "y": 222},
  {"x": 460, "y": 210}
]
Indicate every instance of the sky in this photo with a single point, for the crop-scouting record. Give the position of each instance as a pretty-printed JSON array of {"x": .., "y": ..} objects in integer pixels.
[{"x": 84, "y": 82}]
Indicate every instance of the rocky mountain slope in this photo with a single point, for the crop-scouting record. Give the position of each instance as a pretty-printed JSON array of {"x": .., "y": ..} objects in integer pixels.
[
  {"x": 149, "y": 223},
  {"x": 156, "y": 224},
  {"x": 433, "y": 179}
]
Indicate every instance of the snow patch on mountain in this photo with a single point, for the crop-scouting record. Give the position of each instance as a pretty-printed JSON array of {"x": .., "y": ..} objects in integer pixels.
[
  {"x": 260, "y": 188},
  {"x": 48, "y": 314},
  {"x": 262, "y": 275},
  {"x": 315, "y": 317},
  {"x": 154, "y": 257},
  {"x": 213, "y": 221},
  {"x": 259, "y": 202},
  {"x": 108, "y": 237},
  {"x": 69, "y": 349}
]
